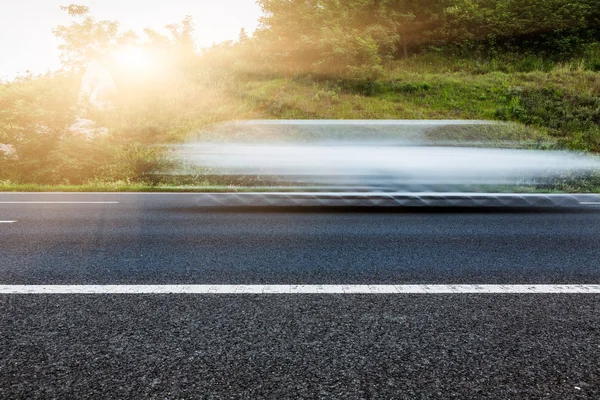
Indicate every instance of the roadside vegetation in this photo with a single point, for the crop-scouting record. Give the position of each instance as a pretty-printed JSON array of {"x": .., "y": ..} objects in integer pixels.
[{"x": 532, "y": 62}]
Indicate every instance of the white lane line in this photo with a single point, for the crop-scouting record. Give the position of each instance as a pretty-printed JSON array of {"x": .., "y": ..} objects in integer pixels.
[
  {"x": 590, "y": 203},
  {"x": 59, "y": 202},
  {"x": 7, "y": 222},
  {"x": 300, "y": 289}
]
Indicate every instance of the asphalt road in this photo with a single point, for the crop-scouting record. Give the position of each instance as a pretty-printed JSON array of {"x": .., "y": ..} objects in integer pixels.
[{"x": 294, "y": 346}]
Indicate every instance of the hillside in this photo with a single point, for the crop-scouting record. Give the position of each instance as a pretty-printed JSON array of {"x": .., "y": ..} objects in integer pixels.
[{"x": 553, "y": 94}]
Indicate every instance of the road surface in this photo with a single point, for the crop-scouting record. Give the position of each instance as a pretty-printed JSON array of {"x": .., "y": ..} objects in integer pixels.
[{"x": 355, "y": 346}]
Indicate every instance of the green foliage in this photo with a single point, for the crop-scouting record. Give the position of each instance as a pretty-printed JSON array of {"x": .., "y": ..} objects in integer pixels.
[
  {"x": 327, "y": 37},
  {"x": 592, "y": 57},
  {"x": 37, "y": 112},
  {"x": 85, "y": 38},
  {"x": 532, "y": 62},
  {"x": 574, "y": 118},
  {"x": 347, "y": 53},
  {"x": 311, "y": 34},
  {"x": 475, "y": 20}
]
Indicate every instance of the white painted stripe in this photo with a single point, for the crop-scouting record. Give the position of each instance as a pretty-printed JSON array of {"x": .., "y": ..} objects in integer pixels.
[
  {"x": 299, "y": 289},
  {"x": 7, "y": 222},
  {"x": 590, "y": 203},
  {"x": 59, "y": 202}
]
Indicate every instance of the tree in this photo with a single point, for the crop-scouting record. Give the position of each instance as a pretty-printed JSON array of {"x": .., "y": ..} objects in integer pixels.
[
  {"x": 415, "y": 21},
  {"x": 85, "y": 38},
  {"x": 471, "y": 21},
  {"x": 183, "y": 34},
  {"x": 326, "y": 36},
  {"x": 318, "y": 33},
  {"x": 242, "y": 36}
]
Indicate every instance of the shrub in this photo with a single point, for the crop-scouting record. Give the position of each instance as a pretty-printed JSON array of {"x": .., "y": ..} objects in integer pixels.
[{"x": 573, "y": 118}]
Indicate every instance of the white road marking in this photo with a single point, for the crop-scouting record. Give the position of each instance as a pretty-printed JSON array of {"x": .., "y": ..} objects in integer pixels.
[
  {"x": 7, "y": 222},
  {"x": 590, "y": 203},
  {"x": 300, "y": 289},
  {"x": 59, "y": 202}
]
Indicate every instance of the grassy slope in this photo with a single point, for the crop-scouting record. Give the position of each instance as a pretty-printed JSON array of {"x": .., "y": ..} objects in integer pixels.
[
  {"x": 132, "y": 187},
  {"x": 408, "y": 91},
  {"x": 416, "y": 96},
  {"x": 405, "y": 95}
]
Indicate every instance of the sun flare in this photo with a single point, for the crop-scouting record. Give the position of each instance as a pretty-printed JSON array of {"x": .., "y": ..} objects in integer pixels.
[{"x": 133, "y": 58}]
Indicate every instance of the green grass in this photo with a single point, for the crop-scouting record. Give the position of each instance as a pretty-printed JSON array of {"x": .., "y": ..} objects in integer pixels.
[
  {"x": 551, "y": 106},
  {"x": 561, "y": 106},
  {"x": 20, "y": 188},
  {"x": 136, "y": 187},
  {"x": 403, "y": 94}
]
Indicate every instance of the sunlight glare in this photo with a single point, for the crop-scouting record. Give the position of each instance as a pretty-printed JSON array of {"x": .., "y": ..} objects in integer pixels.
[{"x": 133, "y": 58}]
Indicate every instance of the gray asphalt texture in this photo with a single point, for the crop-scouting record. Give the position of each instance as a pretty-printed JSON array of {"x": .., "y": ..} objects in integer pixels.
[{"x": 295, "y": 346}]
